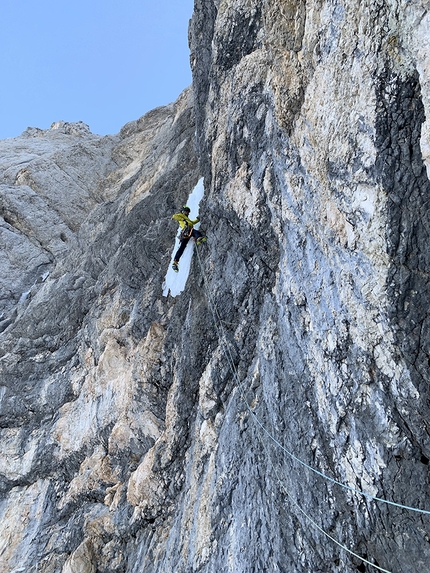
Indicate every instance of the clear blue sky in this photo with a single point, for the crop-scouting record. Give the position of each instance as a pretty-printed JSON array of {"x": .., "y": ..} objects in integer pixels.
[{"x": 105, "y": 62}]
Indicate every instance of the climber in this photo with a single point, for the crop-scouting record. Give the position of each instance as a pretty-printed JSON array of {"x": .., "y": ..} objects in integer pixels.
[{"x": 188, "y": 231}]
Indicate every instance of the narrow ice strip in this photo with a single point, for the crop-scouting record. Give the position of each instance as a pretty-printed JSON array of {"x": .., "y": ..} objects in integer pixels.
[{"x": 175, "y": 282}]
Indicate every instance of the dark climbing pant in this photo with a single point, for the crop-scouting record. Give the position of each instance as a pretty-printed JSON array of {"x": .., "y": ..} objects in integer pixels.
[{"x": 184, "y": 242}]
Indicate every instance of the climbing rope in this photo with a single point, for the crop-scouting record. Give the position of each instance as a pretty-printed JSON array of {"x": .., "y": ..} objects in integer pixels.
[
  {"x": 216, "y": 317},
  {"x": 218, "y": 323},
  {"x": 309, "y": 518}
]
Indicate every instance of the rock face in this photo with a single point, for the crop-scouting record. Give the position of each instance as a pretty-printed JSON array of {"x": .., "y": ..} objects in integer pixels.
[
  {"x": 159, "y": 434},
  {"x": 83, "y": 386}
]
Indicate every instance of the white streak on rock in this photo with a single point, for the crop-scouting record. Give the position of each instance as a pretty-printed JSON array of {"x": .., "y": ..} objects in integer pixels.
[{"x": 175, "y": 282}]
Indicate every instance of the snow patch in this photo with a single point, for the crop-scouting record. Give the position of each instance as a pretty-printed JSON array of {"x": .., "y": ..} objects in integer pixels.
[
  {"x": 24, "y": 296},
  {"x": 175, "y": 282}
]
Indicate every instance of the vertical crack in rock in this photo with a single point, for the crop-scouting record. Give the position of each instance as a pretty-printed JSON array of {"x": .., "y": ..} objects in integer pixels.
[
  {"x": 127, "y": 436},
  {"x": 404, "y": 179}
]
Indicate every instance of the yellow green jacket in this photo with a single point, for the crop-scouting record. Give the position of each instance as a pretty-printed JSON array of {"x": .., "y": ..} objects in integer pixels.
[{"x": 184, "y": 221}]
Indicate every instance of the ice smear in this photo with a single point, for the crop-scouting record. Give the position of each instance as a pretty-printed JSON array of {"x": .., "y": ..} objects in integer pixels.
[
  {"x": 175, "y": 282},
  {"x": 24, "y": 296}
]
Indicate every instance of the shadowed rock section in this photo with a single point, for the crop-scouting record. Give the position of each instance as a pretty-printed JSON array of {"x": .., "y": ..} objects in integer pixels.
[{"x": 145, "y": 433}]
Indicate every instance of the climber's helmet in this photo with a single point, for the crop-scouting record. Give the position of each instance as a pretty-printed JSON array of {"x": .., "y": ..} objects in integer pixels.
[{"x": 185, "y": 210}]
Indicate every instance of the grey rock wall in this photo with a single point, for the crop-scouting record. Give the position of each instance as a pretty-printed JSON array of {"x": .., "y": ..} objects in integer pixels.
[
  {"x": 82, "y": 396},
  {"x": 322, "y": 159},
  {"x": 150, "y": 433}
]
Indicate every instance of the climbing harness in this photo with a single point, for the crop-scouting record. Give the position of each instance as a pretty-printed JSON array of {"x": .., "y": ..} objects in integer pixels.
[
  {"x": 185, "y": 233},
  {"x": 218, "y": 323}
]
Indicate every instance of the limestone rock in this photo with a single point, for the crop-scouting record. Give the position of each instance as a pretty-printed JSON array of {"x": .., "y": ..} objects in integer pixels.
[
  {"x": 83, "y": 397},
  {"x": 82, "y": 560},
  {"x": 149, "y": 433}
]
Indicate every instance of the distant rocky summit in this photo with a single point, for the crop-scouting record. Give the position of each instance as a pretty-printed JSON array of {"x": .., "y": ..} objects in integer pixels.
[{"x": 274, "y": 416}]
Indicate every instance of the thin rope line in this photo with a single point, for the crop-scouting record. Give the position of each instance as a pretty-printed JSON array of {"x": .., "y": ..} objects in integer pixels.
[
  {"x": 294, "y": 502},
  {"x": 235, "y": 374},
  {"x": 290, "y": 454}
]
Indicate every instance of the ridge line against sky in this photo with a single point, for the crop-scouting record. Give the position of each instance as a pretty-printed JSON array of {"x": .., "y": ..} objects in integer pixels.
[{"x": 103, "y": 62}]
